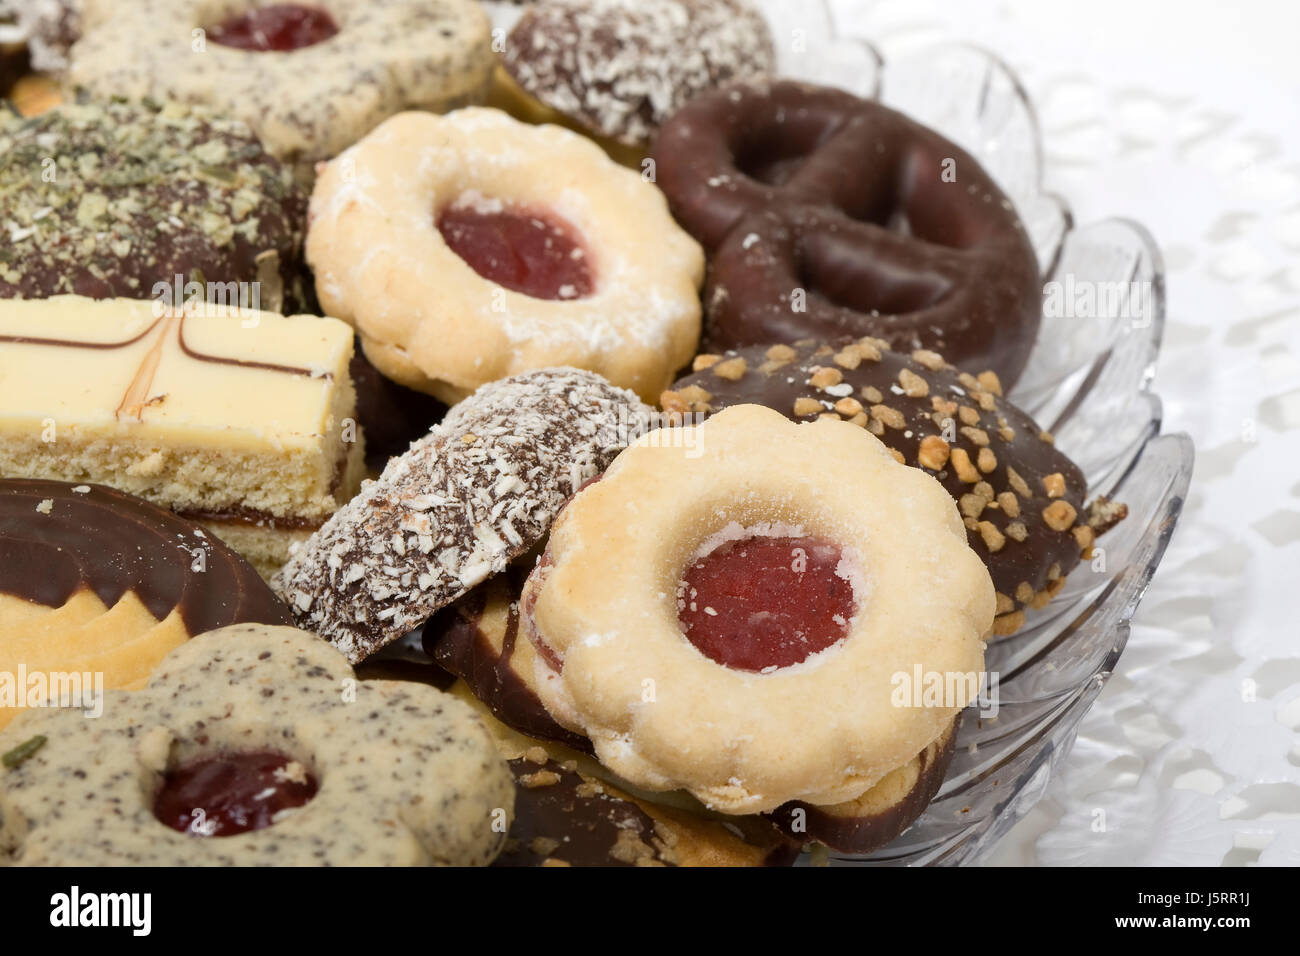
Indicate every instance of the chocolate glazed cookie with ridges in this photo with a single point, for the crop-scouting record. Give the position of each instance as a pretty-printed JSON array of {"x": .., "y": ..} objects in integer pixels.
[
  {"x": 833, "y": 217},
  {"x": 97, "y": 580},
  {"x": 1021, "y": 499}
]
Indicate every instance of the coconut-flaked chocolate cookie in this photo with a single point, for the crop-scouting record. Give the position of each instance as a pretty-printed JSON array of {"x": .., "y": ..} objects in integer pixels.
[
  {"x": 478, "y": 491},
  {"x": 619, "y": 68},
  {"x": 112, "y": 199},
  {"x": 1021, "y": 499}
]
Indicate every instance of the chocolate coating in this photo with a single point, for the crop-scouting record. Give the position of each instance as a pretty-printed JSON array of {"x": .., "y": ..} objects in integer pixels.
[
  {"x": 879, "y": 225},
  {"x": 564, "y": 817},
  {"x": 111, "y": 199},
  {"x": 1002, "y": 487},
  {"x": 876, "y": 818},
  {"x": 391, "y": 415},
  {"x": 110, "y": 542},
  {"x": 476, "y": 639}
]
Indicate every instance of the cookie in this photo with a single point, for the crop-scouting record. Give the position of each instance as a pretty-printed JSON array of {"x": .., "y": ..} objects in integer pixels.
[
  {"x": 469, "y": 247},
  {"x": 101, "y": 585},
  {"x": 828, "y": 216},
  {"x": 725, "y": 611},
  {"x": 135, "y": 200},
  {"x": 372, "y": 773},
  {"x": 309, "y": 80},
  {"x": 244, "y": 421},
  {"x": 477, "y": 492},
  {"x": 618, "y": 68},
  {"x": 1021, "y": 499}
]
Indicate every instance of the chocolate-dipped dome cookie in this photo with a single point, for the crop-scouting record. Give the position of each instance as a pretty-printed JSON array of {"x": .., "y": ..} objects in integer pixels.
[
  {"x": 1022, "y": 499},
  {"x": 118, "y": 199}
]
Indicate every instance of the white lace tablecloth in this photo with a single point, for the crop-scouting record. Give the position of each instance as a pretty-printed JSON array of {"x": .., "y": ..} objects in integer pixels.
[{"x": 1185, "y": 117}]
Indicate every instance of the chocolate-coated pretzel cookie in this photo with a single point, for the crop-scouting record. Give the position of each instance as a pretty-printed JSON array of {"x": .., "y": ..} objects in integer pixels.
[
  {"x": 1021, "y": 499},
  {"x": 831, "y": 216}
]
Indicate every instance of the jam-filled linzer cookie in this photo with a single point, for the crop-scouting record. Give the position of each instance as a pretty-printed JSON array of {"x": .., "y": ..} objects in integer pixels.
[
  {"x": 111, "y": 199},
  {"x": 97, "y": 582},
  {"x": 832, "y": 217},
  {"x": 616, "y": 69},
  {"x": 469, "y": 247},
  {"x": 309, "y": 79},
  {"x": 255, "y": 745},
  {"x": 1021, "y": 499},
  {"x": 477, "y": 492},
  {"x": 241, "y": 420},
  {"x": 726, "y": 609}
]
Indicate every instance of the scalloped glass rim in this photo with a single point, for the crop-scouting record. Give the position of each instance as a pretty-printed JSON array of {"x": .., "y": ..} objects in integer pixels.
[{"x": 1088, "y": 381}]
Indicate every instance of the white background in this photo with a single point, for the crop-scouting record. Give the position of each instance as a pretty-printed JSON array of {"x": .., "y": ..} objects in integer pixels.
[{"x": 1186, "y": 117}]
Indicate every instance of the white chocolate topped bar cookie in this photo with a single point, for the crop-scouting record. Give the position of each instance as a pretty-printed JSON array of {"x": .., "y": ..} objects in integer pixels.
[{"x": 241, "y": 420}]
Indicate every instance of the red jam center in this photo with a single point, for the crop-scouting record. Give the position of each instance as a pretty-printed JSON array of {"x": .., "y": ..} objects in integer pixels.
[
  {"x": 760, "y": 603},
  {"x": 232, "y": 793},
  {"x": 278, "y": 28},
  {"x": 520, "y": 250}
]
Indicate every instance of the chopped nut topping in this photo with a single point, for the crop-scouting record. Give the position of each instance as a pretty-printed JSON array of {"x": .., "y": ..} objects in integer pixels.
[
  {"x": 971, "y": 505},
  {"x": 848, "y": 358},
  {"x": 803, "y": 405},
  {"x": 990, "y": 382},
  {"x": 898, "y": 456},
  {"x": 1006, "y": 433},
  {"x": 1060, "y": 515},
  {"x": 872, "y": 394},
  {"x": 870, "y": 348},
  {"x": 781, "y": 353},
  {"x": 1054, "y": 571},
  {"x": 1004, "y": 625},
  {"x": 875, "y": 427},
  {"x": 1085, "y": 536},
  {"x": 1017, "y": 531},
  {"x": 968, "y": 415},
  {"x": 1009, "y": 503},
  {"x": 931, "y": 360},
  {"x": 987, "y": 401},
  {"x": 588, "y": 789},
  {"x": 1003, "y": 604},
  {"x": 695, "y": 395},
  {"x": 962, "y": 465},
  {"x": 993, "y": 538},
  {"x": 1024, "y": 592},
  {"x": 733, "y": 369},
  {"x": 671, "y": 401},
  {"x": 984, "y": 490},
  {"x": 829, "y": 416},
  {"x": 969, "y": 382},
  {"x": 986, "y": 460},
  {"x": 705, "y": 361},
  {"x": 1041, "y": 599},
  {"x": 536, "y": 755},
  {"x": 1054, "y": 484},
  {"x": 543, "y": 778},
  {"x": 860, "y": 419},
  {"x": 943, "y": 406},
  {"x": 825, "y": 376},
  {"x": 552, "y": 861},
  {"x": 977, "y": 436},
  {"x": 1047, "y": 437},
  {"x": 933, "y": 453},
  {"x": 890, "y": 417},
  {"x": 848, "y": 407},
  {"x": 913, "y": 385},
  {"x": 1018, "y": 484}
]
